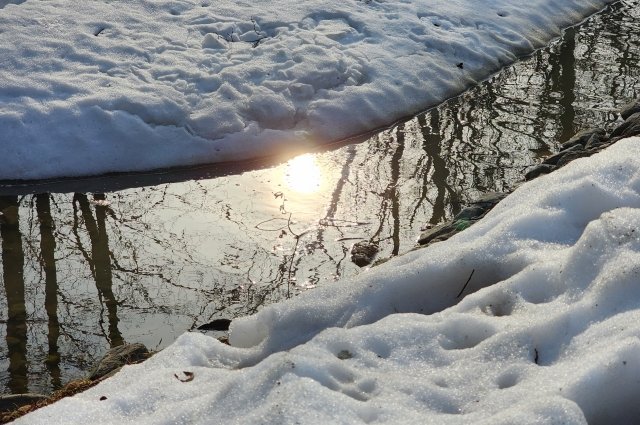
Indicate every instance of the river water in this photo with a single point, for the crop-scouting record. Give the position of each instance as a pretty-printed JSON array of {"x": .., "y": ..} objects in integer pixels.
[{"x": 91, "y": 264}]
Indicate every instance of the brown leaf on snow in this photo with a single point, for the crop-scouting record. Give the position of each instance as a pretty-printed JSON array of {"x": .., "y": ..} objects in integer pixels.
[{"x": 189, "y": 376}]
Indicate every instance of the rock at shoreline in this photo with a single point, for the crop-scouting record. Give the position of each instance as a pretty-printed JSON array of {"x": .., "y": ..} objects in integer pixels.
[
  {"x": 472, "y": 212},
  {"x": 538, "y": 170},
  {"x": 118, "y": 357},
  {"x": 553, "y": 159},
  {"x": 630, "y": 109},
  {"x": 465, "y": 218},
  {"x": 439, "y": 233},
  {"x": 584, "y": 143},
  {"x": 363, "y": 253},
  {"x": 630, "y": 127},
  {"x": 583, "y": 137},
  {"x": 573, "y": 155},
  {"x": 12, "y": 402},
  {"x": 489, "y": 200},
  {"x": 216, "y": 325},
  {"x": 598, "y": 141}
]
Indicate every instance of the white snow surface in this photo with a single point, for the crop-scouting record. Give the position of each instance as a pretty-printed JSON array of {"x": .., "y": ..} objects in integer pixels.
[
  {"x": 548, "y": 333},
  {"x": 88, "y": 87}
]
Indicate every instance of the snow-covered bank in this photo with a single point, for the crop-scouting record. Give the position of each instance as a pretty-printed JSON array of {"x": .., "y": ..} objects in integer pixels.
[
  {"x": 99, "y": 86},
  {"x": 549, "y": 332}
]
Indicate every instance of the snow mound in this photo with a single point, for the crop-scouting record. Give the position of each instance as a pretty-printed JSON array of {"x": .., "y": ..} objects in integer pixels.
[
  {"x": 105, "y": 86},
  {"x": 548, "y": 332}
]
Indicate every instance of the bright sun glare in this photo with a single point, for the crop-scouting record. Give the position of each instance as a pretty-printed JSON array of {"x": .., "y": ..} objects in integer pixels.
[{"x": 303, "y": 174}]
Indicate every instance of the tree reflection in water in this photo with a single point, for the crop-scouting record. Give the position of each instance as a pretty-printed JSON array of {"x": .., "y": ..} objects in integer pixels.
[
  {"x": 48, "y": 264},
  {"x": 82, "y": 273},
  {"x": 13, "y": 279}
]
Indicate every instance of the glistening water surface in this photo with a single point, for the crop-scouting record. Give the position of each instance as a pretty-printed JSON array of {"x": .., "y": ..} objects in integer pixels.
[{"x": 89, "y": 268}]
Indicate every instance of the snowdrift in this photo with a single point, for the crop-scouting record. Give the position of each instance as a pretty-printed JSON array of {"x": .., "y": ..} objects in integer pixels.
[{"x": 108, "y": 86}]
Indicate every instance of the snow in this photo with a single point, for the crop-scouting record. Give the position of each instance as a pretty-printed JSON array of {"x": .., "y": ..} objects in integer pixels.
[
  {"x": 547, "y": 330},
  {"x": 108, "y": 86}
]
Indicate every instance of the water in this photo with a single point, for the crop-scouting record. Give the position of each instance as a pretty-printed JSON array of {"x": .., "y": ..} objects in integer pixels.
[{"x": 94, "y": 263}]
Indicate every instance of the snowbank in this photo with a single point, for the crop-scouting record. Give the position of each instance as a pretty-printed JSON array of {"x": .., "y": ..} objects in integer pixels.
[
  {"x": 548, "y": 333},
  {"x": 99, "y": 86}
]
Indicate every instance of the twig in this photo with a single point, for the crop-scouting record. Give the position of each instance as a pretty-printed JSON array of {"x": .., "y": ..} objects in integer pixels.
[
  {"x": 257, "y": 226},
  {"x": 465, "y": 285},
  {"x": 332, "y": 222},
  {"x": 293, "y": 255},
  {"x": 297, "y": 236}
]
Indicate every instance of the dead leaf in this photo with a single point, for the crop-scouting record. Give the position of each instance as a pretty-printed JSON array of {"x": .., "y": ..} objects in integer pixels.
[{"x": 189, "y": 376}]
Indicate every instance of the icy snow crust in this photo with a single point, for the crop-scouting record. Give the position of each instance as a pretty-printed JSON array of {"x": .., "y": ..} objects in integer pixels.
[
  {"x": 88, "y": 87},
  {"x": 548, "y": 333}
]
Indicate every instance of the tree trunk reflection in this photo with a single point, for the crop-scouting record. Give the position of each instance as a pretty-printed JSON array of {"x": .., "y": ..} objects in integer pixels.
[
  {"x": 100, "y": 261},
  {"x": 48, "y": 249},
  {"x": 12, "y": 268}
]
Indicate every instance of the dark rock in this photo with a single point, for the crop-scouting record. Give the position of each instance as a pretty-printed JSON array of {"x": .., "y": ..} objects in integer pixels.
[
  {"x": 582, "y": 137},
  {"x": 216, "y": 325},
  {"x": 441, "y": 238},
  {"x": 384, "y": 260},
  {"x": 462, "y": 224},
  {"x": 472, "y": 212},
  {"x": 598, "y": 142},
  {"x": 489, "y": 199},
  {"x": 631, "y": 127},
  {"x": 118, "y": 357},
  {"x": 553, "y": 159},
  {"x": 568, "y": 145},
  {"x": 441, "y": 232},
  {"x": 573, "y": 155},
  {"x": 630, "y": 109},
  {"x": 465, "y": 218},
  {"x": 538, "y": 171},
  {"x": 362, "y": 253},
  {"x": 12, "y": 402}
]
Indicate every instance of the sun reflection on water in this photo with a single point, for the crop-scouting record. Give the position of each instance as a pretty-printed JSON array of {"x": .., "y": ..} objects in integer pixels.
[{"x": 303, "y": 174}]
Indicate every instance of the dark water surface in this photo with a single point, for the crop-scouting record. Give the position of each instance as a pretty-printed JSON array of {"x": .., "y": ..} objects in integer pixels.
[{"x": 85, "y": 268}]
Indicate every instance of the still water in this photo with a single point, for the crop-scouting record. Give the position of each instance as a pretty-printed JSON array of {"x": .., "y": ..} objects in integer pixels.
[{"x": 91, "y": 264}]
